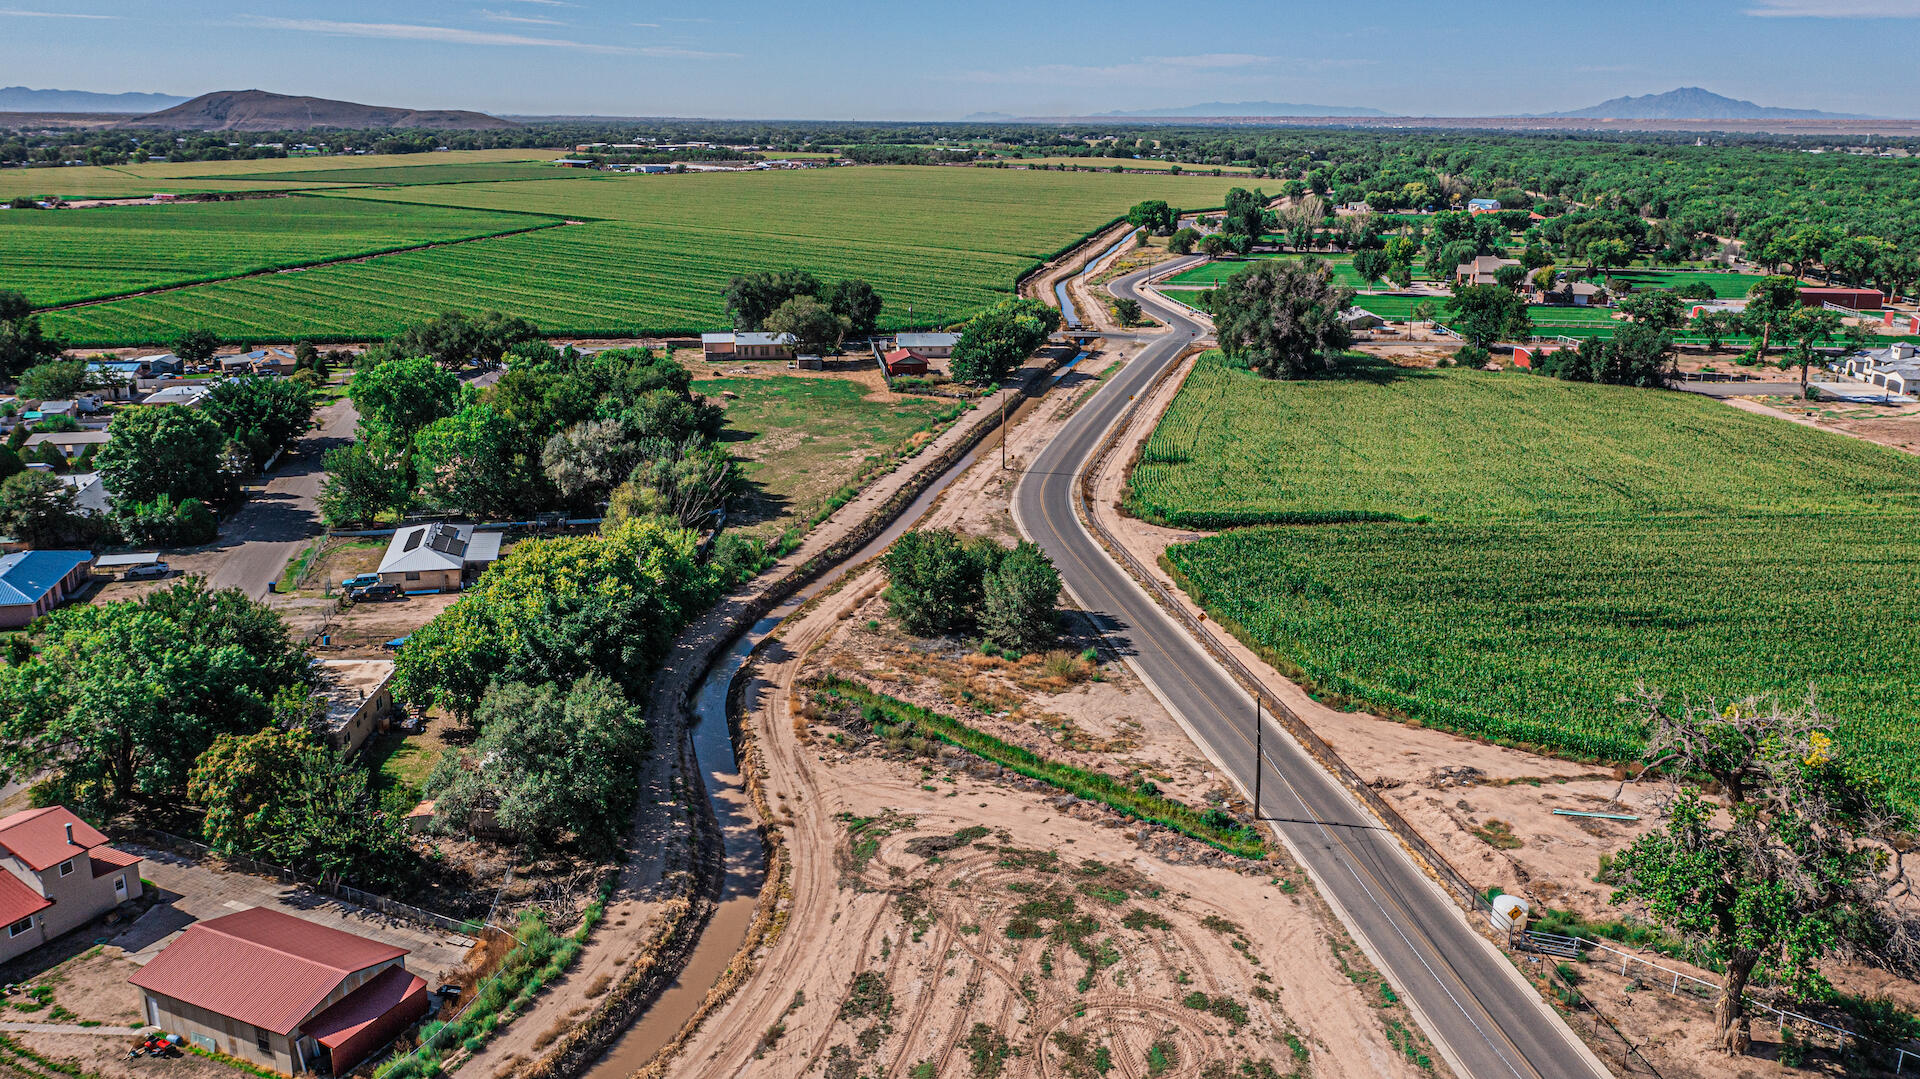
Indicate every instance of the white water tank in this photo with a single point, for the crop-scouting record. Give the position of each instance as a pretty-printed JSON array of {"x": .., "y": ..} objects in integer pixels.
[{"x": 1508, "y": 911}]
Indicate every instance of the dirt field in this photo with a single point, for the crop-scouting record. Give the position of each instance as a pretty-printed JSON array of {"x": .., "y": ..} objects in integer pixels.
[
  {"x": 949, "y": 920},
  {"x": 1491, "y": 812}
]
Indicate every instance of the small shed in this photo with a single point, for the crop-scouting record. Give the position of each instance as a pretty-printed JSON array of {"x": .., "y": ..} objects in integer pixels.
[{"x": 902, "y": 362}]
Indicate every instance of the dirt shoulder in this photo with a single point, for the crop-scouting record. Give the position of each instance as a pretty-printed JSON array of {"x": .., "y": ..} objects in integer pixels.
[{"x": 913, "y": 932}]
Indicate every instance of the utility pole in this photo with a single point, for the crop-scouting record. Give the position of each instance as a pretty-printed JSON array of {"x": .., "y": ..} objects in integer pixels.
[{"x": 1259, "y": 758}]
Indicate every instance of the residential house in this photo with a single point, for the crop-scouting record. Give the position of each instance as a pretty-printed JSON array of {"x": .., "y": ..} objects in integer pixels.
[
  {"x": 1483, "y": 206},
  {"x": 1575, "y": 293},
  {"x": 928, "y": 346},
  {"x": 60, "y": 875},
  {"x": 188, "y": 394},
  {"x": 90, "y": 495},
  {"x": 34, "y": 582},
  {"x": 281, "y": 992},
  {"x": 69, "y": 444},
  {"x": 357, "y": 697},
  {"x": 1896, "y": 367},
  {"x": 1359, "y": 318},
  {"x": 716, "y": 346},
  {"x": 902, "y": 362},
  {"x": 163, "y": 363},
  {"x": 115, "y": 379},
  {"x": 261, "y": 361},
  {"x": 1482, "y": 270},
  {"x": 438, "y": 557}
]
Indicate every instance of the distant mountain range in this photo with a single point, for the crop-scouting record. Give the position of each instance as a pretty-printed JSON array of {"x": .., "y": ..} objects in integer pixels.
[
  {"x": 26, "y": 99},
  {"x": 1693, "y": 103},
  {"x": 1244, "y": 109},
  {"x": 258, "y": 110}
]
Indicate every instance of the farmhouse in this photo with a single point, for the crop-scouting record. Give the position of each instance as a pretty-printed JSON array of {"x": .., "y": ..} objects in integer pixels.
[
  {"x": 357, "y": 699},
  {"x": 928, "y": 346},
  {"x": 903, "y": 362},
  {"x": 748, "y": 345},
  {"x": 34, "y": 582},
  {"x": 1482, "y": 206},
  {"x": 1897, "y": 367},
  {"x": 69, "y": 444},
  {"x": 281, "y": 992},
  {"x": 438, "y": 557},
  {"x": 1482, "y": 270},
  {"x": 60, "y": 875}
]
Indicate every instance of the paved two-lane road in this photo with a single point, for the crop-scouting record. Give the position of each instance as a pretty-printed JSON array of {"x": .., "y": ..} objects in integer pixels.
[{"x": 1488, "y": 1022}]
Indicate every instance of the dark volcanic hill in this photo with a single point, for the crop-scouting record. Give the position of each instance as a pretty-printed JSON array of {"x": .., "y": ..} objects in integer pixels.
[
  {"x": 258, "y": 110},
  {"x": 1693, "y": 103}
]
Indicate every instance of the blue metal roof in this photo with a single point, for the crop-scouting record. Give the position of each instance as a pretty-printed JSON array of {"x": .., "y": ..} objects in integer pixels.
[{"x": 27, "y": 576}]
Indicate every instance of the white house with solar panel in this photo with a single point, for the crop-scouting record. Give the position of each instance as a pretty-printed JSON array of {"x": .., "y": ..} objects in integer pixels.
[{"x": 438, "y": 557}]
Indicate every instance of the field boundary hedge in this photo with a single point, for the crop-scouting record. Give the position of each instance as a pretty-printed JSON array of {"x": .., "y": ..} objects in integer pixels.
[{"x": 1220, "y": 832}]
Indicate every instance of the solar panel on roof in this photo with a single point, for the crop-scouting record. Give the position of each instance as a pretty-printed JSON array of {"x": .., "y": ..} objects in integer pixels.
[{"x": 413, "y": 540}]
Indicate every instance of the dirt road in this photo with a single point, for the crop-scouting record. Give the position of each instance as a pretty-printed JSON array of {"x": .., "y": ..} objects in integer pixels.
[{"x": 276, "y": 523}]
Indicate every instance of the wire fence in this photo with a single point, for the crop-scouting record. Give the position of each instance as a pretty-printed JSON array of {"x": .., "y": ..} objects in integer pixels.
[
  {"x": 1679, "y": 982},
  {"x": 391, "y": 907}
]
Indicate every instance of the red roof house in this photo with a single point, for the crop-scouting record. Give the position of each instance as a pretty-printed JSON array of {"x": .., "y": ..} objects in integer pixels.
[
  {"x": 903, "y": 362},
  {"x": 281, "y": 991},
  {"x": 60, "y": 875}
]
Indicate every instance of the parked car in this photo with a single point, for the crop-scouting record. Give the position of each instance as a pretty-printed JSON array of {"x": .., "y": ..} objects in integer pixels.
[
  {"x": 360, "y": 580},
  {"x": 151, "y": 572},
  {"x": 375, "y": 592}
]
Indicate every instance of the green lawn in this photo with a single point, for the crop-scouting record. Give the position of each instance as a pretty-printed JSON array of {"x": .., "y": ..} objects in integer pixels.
[
  {"x": 1726, "y": 286},
  {"x": 804, "y": 440},
  {"x": 655, "y": 252},
  {"x": 1506, "y": 555},
  {"x": 415, "y": 174},
  {"x": 67, "y": 255}
]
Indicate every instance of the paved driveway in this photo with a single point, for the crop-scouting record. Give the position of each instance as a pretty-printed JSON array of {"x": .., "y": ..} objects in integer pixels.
[{"x": 191, "y": 892}]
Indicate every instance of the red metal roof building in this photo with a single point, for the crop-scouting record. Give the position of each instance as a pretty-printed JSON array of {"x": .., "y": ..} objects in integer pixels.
[
  {"x": 903, "y": 362},
  {"x": 60, "y": 875},
  {"x": 281, "y": 991},
  {"x": 1854, "y": 299}
]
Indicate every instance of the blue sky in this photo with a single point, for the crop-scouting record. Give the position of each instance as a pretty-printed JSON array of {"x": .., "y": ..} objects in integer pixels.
[{"x": 804, "y": 59}]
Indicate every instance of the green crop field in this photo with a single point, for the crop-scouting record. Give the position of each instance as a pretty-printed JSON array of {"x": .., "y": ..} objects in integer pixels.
[
  {"x": 1506, "y": 556},
  {"x": 653, "y": 253},
  {"x": 414, "y": 174},
  {"x": 62, "y": 256},
  {"x": 137, "y": 181}
]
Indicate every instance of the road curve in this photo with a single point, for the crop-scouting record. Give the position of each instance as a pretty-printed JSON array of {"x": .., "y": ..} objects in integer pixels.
[{"x": 1487, "y": 1022}]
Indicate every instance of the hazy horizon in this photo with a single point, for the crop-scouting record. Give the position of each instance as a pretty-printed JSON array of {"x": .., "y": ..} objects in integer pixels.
[{"x": 866, "y": 61}]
